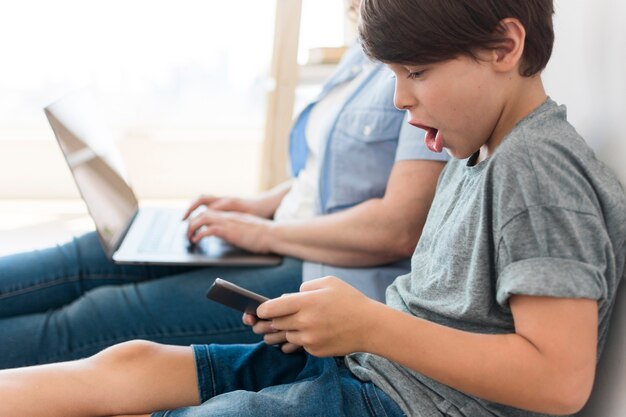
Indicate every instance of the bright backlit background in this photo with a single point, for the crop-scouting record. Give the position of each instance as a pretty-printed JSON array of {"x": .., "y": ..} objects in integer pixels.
[
  {"x": 158, "y": 66},
  {"x": 183, "y": 83}
]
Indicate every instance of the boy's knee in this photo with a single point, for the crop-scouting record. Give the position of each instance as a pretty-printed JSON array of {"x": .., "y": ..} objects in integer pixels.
[{"x": 126, "y": 353}]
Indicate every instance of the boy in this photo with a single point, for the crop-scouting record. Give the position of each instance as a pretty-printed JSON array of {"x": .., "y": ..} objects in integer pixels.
[{"x": 506, "y": 308}]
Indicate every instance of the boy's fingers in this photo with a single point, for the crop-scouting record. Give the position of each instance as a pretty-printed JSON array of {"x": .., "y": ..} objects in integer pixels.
[
  {"x": 293, "y": 337},
  {"x": 263, "y": 327},
  {"x": 316, "y": 284},
  {"x": 275, "y": 338},
  {"x": 249, "y": 319},
  {"x": 285, "y": 323},
  {"x": 290, "y": 347},
  {"x": 285, "y": 305}
]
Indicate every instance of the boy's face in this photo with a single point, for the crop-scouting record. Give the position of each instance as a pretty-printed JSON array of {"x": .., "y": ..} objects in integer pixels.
[{"x": 457, "y": 102}]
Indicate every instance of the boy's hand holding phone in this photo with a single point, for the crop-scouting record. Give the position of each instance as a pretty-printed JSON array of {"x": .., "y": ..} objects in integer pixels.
[
  {"x": 271, "y": 336},
  {"x": 241, "y": 299},
  {"x": 327, "y": 317}
]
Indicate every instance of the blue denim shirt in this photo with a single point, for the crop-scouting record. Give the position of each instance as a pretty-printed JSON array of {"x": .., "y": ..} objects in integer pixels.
[
  {"x": 357, "y": 156},
  {"x": 365, "y": 139}
]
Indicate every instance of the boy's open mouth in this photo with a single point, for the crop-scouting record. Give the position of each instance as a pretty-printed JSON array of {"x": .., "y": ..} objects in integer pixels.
[{"x": 433, "y": 138}]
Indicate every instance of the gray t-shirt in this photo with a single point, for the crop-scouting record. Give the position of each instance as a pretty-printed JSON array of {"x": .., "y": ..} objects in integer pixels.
[
  {"x": 542, "y": 216},
  {"x": 373, "y": 281}
]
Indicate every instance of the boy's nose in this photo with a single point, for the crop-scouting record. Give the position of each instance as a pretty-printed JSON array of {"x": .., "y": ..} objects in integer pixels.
[{"x": 403, "y": 99}]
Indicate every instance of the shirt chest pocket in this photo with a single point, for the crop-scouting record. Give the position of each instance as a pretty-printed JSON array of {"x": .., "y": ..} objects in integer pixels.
[
  {"x": 369, "y": 125},
  {"x": 362, "y": 152}
]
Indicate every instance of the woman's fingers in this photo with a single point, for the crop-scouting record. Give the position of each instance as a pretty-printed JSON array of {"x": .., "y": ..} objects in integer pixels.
[
  {"x": 207, "y": 231},
  {"x": 203, "y": 200},
  {"x": 201, "y": 223}
]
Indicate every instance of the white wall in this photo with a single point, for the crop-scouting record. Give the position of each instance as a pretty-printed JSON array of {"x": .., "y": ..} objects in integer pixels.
[{"x": 587, "y": 73}]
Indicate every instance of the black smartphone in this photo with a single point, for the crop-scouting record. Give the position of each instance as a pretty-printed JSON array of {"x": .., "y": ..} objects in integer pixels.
[{"x": 234, "y": 296}]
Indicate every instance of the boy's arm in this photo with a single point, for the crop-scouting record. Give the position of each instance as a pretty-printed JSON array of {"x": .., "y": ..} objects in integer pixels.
[{"x": 546, "y": 366}]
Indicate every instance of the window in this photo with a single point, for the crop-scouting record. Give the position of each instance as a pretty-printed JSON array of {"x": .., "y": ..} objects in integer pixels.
[
  {"x": 322, "y": 24},
  {"x": 331, "y": 15},
  {"x": 158, "y": 66}
]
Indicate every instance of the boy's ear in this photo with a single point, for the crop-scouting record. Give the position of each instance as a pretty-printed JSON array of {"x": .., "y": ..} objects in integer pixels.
[{"x": 507, "y": 55}]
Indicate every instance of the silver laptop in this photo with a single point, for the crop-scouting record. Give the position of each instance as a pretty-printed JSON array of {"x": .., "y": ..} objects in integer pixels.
[{"x": 129, "y": 234}]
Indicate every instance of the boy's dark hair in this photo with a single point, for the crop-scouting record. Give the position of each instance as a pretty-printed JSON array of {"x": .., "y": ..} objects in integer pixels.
[{"x": 428, "y": 31}]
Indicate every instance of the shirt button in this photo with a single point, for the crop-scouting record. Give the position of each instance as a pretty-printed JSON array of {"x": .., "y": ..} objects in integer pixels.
[
  {"x": 367, "y": 130},
  {"x": 355, "y": 69}
]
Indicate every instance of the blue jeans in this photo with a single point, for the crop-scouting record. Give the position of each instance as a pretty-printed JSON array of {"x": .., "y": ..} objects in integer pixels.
[
  {"x": 259, "y": 380},
  {"x": 70, "y": 302}
]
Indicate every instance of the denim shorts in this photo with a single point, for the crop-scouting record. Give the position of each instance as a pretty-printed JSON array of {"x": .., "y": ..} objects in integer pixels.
[{"x": 259, "y": 380}]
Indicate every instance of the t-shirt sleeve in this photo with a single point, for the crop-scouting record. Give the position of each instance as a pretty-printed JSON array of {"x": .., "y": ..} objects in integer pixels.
[
  {"x": 411, "y": 145},
  {"x": 553, "y": 252}
]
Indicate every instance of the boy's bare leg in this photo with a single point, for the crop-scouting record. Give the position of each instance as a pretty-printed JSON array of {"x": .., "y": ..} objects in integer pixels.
[
  {"x": 135, "y": 415},
  {"x": 133, "y": 378}
]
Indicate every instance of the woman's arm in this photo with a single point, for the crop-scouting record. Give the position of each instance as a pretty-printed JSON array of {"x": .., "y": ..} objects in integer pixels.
[
  {"x": 374, "y": 232},
  {"x": 546, "y": 366}
]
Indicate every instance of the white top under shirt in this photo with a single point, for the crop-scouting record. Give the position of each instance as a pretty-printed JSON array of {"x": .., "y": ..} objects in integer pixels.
[{"x": 300, "y": 202}]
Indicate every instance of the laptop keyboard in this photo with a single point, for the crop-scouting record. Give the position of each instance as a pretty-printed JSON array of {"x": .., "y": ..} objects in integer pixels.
[{"x": 164, "y": 234}]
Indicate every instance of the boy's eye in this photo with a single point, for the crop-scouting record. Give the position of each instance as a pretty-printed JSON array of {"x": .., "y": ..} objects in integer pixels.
[{"x": 412, "y": 75}]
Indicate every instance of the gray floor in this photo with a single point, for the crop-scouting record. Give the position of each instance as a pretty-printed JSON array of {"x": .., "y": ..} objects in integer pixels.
[{"x": 32, "y": 224}]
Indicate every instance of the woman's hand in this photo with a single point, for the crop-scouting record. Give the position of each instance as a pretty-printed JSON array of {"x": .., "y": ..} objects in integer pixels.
[
  {"x": 254, "y": 206},
  {"x": 327, "y": 317},
  {"x": 263, "y": 205},
  {"x": 245, "y": 231},
  {"x": 271, "y": 336}
]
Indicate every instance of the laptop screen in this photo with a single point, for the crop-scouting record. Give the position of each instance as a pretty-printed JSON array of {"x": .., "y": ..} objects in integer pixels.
[{"x": 95, "y": 164}]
